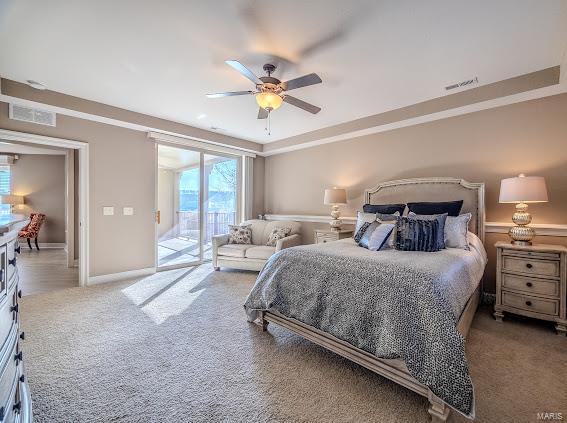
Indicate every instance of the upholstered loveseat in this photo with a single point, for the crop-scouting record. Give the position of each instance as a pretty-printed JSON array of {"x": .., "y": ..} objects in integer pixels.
[{"x": 253, "y": 256}]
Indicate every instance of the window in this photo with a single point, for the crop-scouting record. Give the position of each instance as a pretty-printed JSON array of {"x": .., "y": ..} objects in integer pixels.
[{"x": 5, "y": 188}]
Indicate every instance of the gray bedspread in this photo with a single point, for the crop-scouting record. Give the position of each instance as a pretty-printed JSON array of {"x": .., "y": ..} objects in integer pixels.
[{"x": 392, "y": 304}]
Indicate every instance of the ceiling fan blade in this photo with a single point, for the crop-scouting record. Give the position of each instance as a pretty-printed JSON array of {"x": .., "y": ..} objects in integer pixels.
[
  {"x": 244, "y": 71},
  {"x": 262, "y": 113},
  {"x": 302, "y": 104},
  {"x": 229, "y": 94},
  {"x": 302, "y": 81}
]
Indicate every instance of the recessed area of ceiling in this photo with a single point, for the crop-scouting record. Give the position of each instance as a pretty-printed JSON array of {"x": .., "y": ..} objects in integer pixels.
[{"x": 373, "y": 56}]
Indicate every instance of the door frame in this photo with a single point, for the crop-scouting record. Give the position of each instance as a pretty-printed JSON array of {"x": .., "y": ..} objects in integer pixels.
[
  {"x": 83, "y": 149},
  {"x": 202, "y": 222}
]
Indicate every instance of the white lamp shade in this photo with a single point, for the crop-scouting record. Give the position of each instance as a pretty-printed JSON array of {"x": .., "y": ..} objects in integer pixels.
[
  {"x": 335, "y": 196},
  {"x": 12, "y": 199},
  {"x": 523, "y": 189}
]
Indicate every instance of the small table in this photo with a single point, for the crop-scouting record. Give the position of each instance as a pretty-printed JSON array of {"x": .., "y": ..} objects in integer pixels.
[
  {"x": 532, "y": 281},
  {"x": 328, "y": 235}
]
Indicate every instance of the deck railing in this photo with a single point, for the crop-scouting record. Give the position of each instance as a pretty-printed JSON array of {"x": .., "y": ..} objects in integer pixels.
[{"x": 216, "y": 223}]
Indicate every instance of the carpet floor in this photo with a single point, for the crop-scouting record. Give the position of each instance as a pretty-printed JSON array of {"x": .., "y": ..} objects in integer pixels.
[{"x": 176, "y": 347}]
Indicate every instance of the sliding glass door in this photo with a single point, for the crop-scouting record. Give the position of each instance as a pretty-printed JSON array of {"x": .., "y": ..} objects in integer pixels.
[
  {"x": 221, "y": 199},
  {"x": 198, "y": 196}
]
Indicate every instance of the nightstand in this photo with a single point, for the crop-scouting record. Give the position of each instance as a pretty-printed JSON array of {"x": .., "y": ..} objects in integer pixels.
[
  {"x": 531, "y": 281},
  {"x": 328, "y": 235}
]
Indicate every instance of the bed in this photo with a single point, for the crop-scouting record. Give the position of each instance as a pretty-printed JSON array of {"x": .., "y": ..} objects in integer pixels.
[{"x": 403, "y": 315}]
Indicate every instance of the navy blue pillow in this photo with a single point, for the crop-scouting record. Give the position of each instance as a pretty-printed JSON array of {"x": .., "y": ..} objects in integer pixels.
[
  {"x": 452, "y": 208},
  {"x": 384, "y": 208},
  {"x": 442, "y": 218},
  {"x": 418, "y": 234}
]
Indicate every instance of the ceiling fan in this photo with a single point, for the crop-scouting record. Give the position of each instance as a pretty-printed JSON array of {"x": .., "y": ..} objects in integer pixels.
[{"x": 271, "y": 92}]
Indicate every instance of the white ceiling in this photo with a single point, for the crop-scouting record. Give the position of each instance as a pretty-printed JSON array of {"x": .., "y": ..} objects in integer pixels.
[{"x": 161, "y": 58}]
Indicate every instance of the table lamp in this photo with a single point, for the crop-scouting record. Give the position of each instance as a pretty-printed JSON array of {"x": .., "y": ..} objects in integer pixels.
[
  {"x": 522, "y": 190},
  {"x": 335, "y": 197}
]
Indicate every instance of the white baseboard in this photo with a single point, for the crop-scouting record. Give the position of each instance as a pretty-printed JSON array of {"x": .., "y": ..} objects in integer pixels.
[
  {"x": 113, "y": 277},
  {"x": 43, "y": 245}
]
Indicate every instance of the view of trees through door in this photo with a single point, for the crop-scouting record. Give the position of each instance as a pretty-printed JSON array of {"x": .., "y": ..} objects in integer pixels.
[{"x": 198, "y": 197}]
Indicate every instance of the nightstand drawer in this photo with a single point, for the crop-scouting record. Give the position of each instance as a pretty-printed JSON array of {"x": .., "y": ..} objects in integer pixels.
[
  {"x": 528, "y": 303},
  {"x": 326, "y": 238},
  {"x": 534, "y": 267},
  {"x": 548, "y": 287}
]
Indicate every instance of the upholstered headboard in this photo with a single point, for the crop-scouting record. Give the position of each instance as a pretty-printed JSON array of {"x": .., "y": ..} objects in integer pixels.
[{"x": 434, "y": 189}]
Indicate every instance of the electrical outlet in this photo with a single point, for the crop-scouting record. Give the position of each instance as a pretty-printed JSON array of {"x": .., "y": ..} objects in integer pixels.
[
  {"x": 128, "y": 211},
  {"x": 108, "y": 211}
]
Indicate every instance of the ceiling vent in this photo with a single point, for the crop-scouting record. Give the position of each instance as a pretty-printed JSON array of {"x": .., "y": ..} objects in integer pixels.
[
  {"x": 462, "y": 84},
  {"x": 28, "y": 114}
]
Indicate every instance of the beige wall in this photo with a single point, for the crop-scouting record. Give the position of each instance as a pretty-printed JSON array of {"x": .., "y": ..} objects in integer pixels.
[
  {"x": 40, "y": 178},
  {"x": 122, "y": 173},
  {"x": 529, "y": 137},
  {"x": 166, "y": 200}
]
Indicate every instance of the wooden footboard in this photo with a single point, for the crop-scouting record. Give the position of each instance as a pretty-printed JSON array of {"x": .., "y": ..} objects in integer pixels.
[{"x": 395, "y": 370}]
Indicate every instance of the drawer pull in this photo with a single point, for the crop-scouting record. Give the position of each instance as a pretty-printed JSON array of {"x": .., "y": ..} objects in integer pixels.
[
  {"x": 528, "y": 303},
  {"x": 2, "y": 413},
  {"x": 22, "y": 378},
  {"x": 19, "y": 356},
  {"x": 529, "y": 265},
  {"x": 12, "y": 262},
  {"x": 18, "y": 406},
  {"x": 18, "y": 249},
  {"x": 529, "y": 284},
  {"x": 20, "y": 293},
  {"x": 15, "y": 308},
  {"x": 23, "y": 336}
]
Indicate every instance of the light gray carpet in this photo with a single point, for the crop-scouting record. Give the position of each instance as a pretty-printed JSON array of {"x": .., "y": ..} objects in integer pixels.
[{"x": 176, "y": 347}]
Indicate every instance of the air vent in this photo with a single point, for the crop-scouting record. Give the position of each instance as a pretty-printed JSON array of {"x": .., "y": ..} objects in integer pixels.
[
  {"x": 27, "y": 114},
  {"x": 462, "y": 84}
]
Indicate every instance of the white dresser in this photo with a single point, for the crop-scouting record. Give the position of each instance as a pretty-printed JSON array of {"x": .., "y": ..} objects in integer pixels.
[{"x": 15, "y": 400}]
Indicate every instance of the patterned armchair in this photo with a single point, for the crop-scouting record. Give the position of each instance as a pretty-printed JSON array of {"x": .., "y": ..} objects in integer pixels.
[{"x": 31, "y": 230}]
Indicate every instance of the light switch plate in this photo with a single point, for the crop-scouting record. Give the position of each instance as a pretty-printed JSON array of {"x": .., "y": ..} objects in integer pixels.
[
  {"x": 128, "y": 211},
  {"x": 108, "y": 211}
]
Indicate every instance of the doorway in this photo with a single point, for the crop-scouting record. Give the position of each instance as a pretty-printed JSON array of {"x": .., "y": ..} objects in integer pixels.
[
  {"x": 198, "y": 196},
  {"x": 76, "y": 190}
]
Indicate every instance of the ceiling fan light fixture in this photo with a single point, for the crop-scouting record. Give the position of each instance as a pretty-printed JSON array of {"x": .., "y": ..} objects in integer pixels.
[{"x": 268, "y": 100}]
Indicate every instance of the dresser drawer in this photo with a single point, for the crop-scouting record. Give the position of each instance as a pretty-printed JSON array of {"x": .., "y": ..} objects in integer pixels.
[
  {"x": 11, "y": 259},
  {"x": 11, "y": 413},
  {"x": 7, "y": 316},
  {"x": 529, "y": 303},
  {"x": 530, "y": 266},
  {"x": 8, "y": 368},
  {"x": 529, "y": 285}
]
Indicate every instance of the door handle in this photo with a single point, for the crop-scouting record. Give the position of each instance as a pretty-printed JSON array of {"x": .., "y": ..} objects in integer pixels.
[{"x": 158, "y": 217}]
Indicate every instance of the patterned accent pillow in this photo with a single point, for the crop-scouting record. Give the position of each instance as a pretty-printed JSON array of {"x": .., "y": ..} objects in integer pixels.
[
  {"x": 376, "y": 235},
  {"x": 418, "y": 234},
  {"x": 239, "y": 234},
  {"x": 362, "y": 217},
  {"x": 360, "y": 232},
  {"x": 277, "y": 234}
]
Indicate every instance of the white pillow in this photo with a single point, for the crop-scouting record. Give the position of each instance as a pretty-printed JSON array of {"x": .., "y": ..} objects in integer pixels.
[{"x": 456, "y": 228}]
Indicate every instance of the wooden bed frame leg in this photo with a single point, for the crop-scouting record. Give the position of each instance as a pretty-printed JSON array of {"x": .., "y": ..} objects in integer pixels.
[
  {"x": 263, "y": 322},
  {"x": 438, "y": 409}
]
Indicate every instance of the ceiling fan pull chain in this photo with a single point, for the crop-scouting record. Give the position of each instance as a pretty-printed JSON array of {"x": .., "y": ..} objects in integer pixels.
[{"x": 269, "y": 123}]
